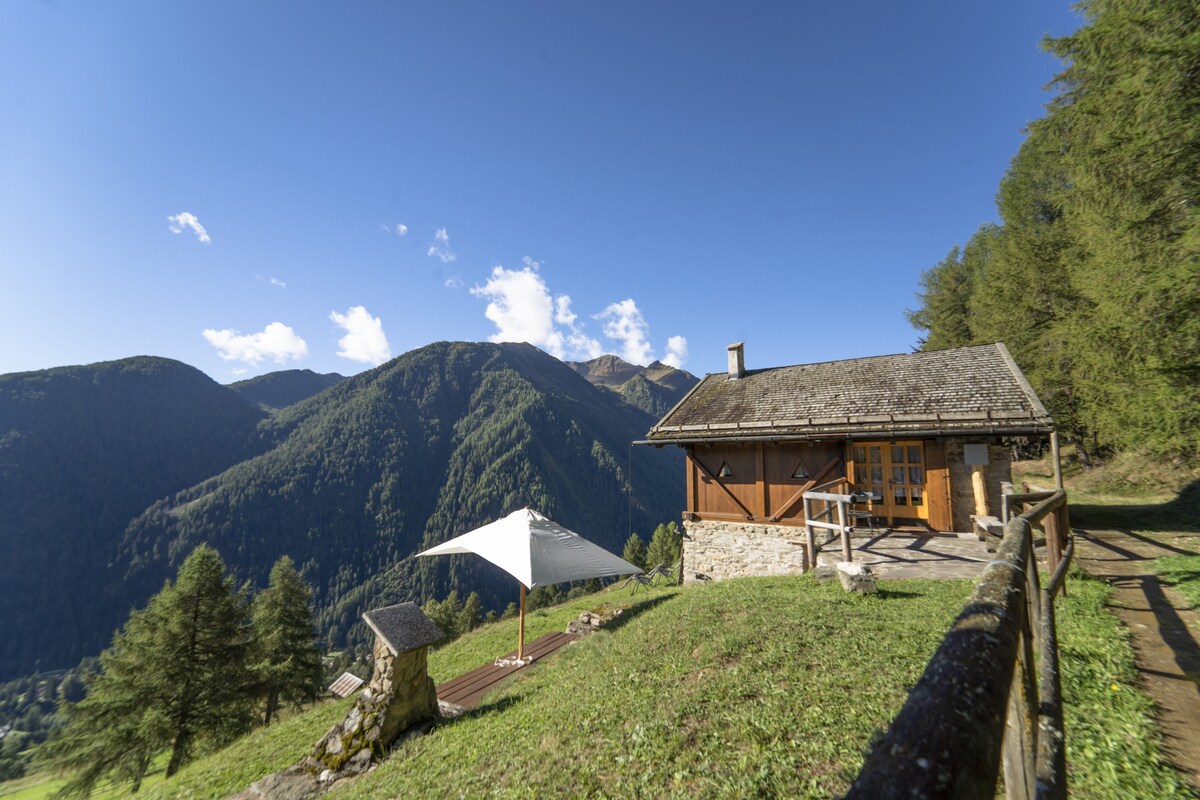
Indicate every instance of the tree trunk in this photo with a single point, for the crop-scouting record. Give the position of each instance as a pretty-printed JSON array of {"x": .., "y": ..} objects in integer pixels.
[{"x": 179, "y": 752}]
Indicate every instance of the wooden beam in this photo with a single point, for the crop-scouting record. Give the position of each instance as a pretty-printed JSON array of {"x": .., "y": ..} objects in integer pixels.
[
  {"x": 724, "y": 488},
  {"x": 693, "y": 489},
  {"x": 764, "y": 490},
  {"x": 813, "y": 481}
]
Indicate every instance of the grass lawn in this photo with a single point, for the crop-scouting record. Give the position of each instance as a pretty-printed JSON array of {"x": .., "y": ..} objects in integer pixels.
[
  {"x": 770, "y": 687},
  {"x": 763, "y": 686},
  {"x": 1112, "y": 742}
]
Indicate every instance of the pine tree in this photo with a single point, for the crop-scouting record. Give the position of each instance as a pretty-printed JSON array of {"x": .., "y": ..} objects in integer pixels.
[
  {"x": 175, "y": 675},
  {"x": 288, "y": 663},
  {"x": 665, "y": 547},
  {"x": 471, "y": 613},
  {"x": 635, "y": 551}
]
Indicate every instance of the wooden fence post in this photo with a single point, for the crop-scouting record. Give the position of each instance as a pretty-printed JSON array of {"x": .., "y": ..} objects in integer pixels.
[
  {"x": 810, "y": 537},
  {"x": 847, "y": 552}
]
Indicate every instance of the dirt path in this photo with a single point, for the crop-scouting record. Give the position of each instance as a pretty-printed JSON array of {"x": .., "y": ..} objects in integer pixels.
[{"x": 1165, "y": 630}]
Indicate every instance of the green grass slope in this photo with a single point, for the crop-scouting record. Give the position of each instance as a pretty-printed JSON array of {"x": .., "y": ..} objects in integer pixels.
[
  {"x": 767, "y": 686},
  {"x": 763, "y": 687}
]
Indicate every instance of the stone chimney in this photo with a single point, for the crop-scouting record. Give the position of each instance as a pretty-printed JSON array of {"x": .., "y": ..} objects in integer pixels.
[{"x": 737, "y": 360}]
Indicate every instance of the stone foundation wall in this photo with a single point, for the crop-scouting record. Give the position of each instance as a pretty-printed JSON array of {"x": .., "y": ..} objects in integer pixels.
[
  {"x": 718, "y": 550},
  {"x": 962, "y": 494}
]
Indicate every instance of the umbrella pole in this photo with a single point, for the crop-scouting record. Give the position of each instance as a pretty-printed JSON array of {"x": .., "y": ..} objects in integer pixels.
[{"x": 521, "y": 629}]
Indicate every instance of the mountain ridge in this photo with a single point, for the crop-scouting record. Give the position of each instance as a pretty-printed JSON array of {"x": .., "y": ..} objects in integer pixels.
[{"x": 654, "y": 388}]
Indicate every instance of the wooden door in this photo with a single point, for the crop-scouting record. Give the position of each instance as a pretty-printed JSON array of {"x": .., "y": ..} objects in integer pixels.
[
  {"x": 895, "y": 472},
  {"x": 937, "y": 486}
]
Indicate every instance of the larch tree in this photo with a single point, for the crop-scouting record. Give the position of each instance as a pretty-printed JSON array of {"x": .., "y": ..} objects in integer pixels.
[
  {"x": 287, "y": 662},
  {"x": 175, "y": 676},
  {"x": 635, "y": 551},
  {"x": 665, "y": 546}
]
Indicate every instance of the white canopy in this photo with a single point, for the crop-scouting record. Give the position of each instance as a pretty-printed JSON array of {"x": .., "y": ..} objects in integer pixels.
[{"x": 536, "y": 551}]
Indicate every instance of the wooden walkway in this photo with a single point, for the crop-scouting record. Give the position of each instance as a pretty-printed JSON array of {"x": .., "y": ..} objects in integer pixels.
[{"x": 467, "y": 691}]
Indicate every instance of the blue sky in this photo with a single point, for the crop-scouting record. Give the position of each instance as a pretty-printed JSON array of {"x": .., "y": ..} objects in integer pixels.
[{"x": 227, "y": 183}]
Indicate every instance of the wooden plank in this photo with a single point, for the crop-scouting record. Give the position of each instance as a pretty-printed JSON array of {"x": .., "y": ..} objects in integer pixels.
[
  {"x": 764, "y": 489},
  {"x": 469, "y": 689},
  {"x": 786, "y": 507},
  {"x": 847, "y": 552},
  {"x": 693, "y": 480},
  {"x": 732, "y": 496},
  {"x": 829, "y": 497},
  {"x": 937, "y": 486}
]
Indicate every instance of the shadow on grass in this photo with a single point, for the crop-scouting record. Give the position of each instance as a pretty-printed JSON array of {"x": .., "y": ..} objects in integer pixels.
[
  {"x": 1181, "y": 514},
  {"x": 893, "y": 594},
  {"x": 489, "y": 707},
  {"x": 637, "y": 608}
]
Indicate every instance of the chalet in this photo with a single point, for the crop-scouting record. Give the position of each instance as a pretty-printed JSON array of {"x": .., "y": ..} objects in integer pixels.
[{"x": 923, "y": 434}]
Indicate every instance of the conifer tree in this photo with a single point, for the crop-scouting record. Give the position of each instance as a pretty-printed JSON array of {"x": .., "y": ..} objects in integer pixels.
[
  {"x": 471, "y": 613},
  {"x": 176, "y": 675},
  {"x": 665, "y": 547},
  {"x": 635, "y": 551},
  {"x": 287, "y": 661}
]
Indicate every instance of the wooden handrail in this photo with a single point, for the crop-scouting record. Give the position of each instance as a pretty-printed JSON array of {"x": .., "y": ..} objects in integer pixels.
[{"x": 976, "y": 705}]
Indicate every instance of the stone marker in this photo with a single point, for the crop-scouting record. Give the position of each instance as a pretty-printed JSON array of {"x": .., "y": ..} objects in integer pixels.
[
  {"x": 400, "y": 700},
  {"x": 856, "y": 578}
]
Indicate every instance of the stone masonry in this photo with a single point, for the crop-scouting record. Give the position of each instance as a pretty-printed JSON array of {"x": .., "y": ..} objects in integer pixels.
[
  {"x": 400, "y": 694},
  {"x": 718, "y": 550},
  {"x": 962, "y": 495}
]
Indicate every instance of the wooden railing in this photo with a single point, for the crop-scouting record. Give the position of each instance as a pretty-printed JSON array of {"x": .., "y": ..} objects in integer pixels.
[
  {"x": 834, "y": 503},
  {"x": 979, "y": 706}
]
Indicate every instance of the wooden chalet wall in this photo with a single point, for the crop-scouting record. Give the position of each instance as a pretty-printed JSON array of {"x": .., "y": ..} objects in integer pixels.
[{"x": 761, "y": 488}]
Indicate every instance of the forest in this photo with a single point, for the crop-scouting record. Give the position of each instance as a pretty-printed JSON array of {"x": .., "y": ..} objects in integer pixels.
[{"x": 1092, "y": 276}]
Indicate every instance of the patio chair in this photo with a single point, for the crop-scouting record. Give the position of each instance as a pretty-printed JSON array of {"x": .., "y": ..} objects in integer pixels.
[{"x": 861, "y": 510}]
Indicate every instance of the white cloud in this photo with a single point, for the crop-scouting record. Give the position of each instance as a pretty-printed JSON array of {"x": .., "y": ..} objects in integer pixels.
[
  {"x": 186, "y": 219},
  {"x": 401, "y": 229},
  {"x": 453, "y": 282},
  {"x": 624, "y": 323},
  {"x": 440, "y": 248},
  {"x": 521, "y": 308},
  {"x": 562, "y": 310},
  {"x": 364, "y": 340},
  {"x": 583, "y": 348},
  {"x": 276, "y": 342},
  {"x": 677, "y": 352},
  {"x": 277, "y": 282}
]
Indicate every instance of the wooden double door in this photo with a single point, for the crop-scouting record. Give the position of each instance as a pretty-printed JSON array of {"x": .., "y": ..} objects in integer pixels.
[{"x": 898, "y": 474}]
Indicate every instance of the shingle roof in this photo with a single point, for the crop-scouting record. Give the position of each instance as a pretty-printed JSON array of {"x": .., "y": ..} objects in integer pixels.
[
  {"x": 977, "y": 389},
  {"x": 403, "y": 627}
]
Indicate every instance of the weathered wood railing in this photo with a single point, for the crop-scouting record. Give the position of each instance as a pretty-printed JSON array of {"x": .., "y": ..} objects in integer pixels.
[
  {"x": 835, "y": 503},
  {"x": 979, "y": 706}
]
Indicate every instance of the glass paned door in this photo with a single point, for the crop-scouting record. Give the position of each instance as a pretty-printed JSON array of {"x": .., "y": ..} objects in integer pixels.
[{"x": 895, "y": 473}]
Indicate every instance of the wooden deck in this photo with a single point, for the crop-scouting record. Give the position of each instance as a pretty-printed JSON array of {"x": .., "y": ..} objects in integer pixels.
[{"x": 467, "y": 691}]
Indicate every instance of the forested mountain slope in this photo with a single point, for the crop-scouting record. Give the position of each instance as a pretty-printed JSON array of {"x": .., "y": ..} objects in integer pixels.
[
  {"x": 285, "y": 387},
  {"x": 427, "y": 446},
  {"x": 83, "y": 450}
]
